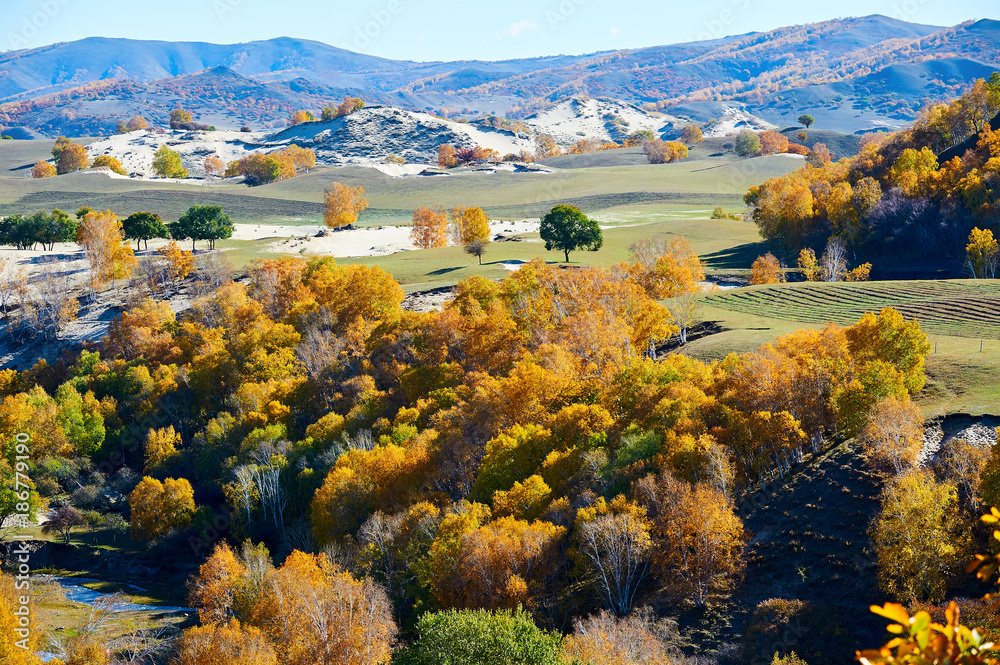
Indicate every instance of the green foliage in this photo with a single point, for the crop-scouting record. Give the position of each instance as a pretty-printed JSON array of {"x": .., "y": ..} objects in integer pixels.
[
  {"x": 167, "y": 163},
  {"x": 141, "y": 226},
  {"x": 202, "y": 222},
  {"x": 567, "y": 229},
  {"x": 479, "y": 637},
  {"x": 747, "y": 143},
  {"x": 806, "y": 120}
]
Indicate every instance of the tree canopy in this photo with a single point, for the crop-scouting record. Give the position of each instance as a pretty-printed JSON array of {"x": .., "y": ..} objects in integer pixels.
[{"x": 566, "y": 229}]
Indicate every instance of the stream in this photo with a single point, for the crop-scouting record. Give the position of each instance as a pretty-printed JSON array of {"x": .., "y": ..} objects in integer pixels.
[{"x": 76, "y": 592}]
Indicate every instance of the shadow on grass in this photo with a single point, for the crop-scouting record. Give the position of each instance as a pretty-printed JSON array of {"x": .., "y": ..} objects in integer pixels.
[
  {"x": 740, "y": 256},
  {"x": 445, "y": 271}
]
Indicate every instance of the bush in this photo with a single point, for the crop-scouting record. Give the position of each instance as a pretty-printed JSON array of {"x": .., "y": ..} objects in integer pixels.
[{"x": 481, "y": 637}]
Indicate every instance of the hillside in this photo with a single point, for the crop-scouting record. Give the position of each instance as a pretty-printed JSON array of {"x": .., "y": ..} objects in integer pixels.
[{"x": 851, "y": 74}]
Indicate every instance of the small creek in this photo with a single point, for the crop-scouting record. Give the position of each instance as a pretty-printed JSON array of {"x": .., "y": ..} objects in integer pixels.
[{"x": 76, "y": 592}]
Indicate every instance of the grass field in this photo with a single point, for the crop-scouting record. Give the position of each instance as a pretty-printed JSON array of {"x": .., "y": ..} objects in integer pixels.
[
  {"x": 706, "y": 179},
  {"x": 960, "y": 317}
]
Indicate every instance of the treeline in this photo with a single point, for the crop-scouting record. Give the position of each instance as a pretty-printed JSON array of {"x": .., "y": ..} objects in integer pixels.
[
  {"x": 521, "y": 447},
  {"x": 893, "y": 198}
]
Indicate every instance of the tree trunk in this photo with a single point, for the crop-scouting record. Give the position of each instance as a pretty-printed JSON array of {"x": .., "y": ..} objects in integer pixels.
[
  {"x": 192, "y": 244},
  {"x": 566, "y": 251}
]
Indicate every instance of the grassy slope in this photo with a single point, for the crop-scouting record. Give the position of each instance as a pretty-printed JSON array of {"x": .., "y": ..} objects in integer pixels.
[
  {"x": 703, "y": 180},
  {"x": 960, "y": 378}
]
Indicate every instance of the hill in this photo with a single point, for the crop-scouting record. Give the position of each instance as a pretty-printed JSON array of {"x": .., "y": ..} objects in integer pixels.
[{"x": 851, "y": 74}]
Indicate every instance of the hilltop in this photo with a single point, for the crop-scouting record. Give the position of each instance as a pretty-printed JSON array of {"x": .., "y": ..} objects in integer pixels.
[{"x": 850, "y": 74}]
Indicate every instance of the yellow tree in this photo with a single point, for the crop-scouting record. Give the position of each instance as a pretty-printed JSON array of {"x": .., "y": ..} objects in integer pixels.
[
  {"x": 43, "y": 170},
  {"x": 72, "y": 157},
  {"x": 161, "y": 448},
  {"x": 100, "y": 234},
  {"x": 224, "y": 644},
  {"x": 430, "y": 228},
  {"x": 614, "y": 543},
  {"x": 766, "y": 270},
  {"x": 469, "y": 224},
  {"x": 109, "y": 162},
  {"x": 215, "y": 166},
  {"x": 809, "y": 265},
  {"x": 667, "y": 268},
  {"x": 894, "y": 434},
  {"x": 18, "y": 638},
  {"x": 698, "y": 537},
  {"x": 213, "y": 591},
  {"x": 919, "y": 537},
  {"x": 638, "y": 639},
  {"x": 158, "y": 508},
  {"x": 982, "y": 254},
  {"x": 343, "y": 205},
  {"x": 446, "y": 156},
  {"x": 136, "y": 122}
]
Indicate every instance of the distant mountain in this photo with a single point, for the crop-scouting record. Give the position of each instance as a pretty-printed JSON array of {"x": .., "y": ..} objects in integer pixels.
[{"x": 852, "y": 74}]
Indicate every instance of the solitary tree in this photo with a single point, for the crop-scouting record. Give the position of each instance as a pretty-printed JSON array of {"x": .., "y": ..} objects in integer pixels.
[
  {"x": 167, "y": 163},
  {"x": 110, "y": 162},
  {"x": 692, "y": 134},
  {"x": 136, "y": 122},
  {"x": 62, "y": 521},
  {"x": 806, "y": 120},
  {"x": 477, "y": 248},
  {"x": 72, "y": 157},
  {"x": 566, "y": 229},
  {"x": 343, "y": 205},
  {"x": 215, "y": 166},
  {"x": 141, "y": 226}
]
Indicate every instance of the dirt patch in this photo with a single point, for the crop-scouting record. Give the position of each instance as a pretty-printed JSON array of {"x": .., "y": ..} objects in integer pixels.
[{"x": 432, "y": 300}]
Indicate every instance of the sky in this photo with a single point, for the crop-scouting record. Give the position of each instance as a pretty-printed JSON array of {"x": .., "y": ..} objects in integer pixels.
[{"x": 448, "y": 29}]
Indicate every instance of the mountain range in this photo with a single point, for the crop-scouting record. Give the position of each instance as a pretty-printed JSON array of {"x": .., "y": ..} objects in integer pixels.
[{"x": 851, "y": 74}]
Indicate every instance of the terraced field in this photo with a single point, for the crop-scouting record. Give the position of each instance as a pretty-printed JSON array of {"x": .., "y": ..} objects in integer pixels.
[{"x": 954, "y": 308}]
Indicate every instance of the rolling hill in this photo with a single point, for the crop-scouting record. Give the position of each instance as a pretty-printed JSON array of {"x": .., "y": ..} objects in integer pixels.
[{"x": 851, "y": 74}]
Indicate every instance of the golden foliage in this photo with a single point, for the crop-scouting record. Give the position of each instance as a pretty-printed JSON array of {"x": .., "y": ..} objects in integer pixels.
[
  {"x": 430, "y": 228},
  {"x": 766, "y": 270},
  {"x": 343, "y": 204}
]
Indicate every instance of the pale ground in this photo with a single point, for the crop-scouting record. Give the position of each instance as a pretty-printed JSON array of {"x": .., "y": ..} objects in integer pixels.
[
  {"x": 378, "y": 241},
  {"x": 371, "y": 136}
]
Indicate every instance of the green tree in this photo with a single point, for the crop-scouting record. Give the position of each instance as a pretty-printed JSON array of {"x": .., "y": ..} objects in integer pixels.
[
  {"x": 180, "y": 115},
  {"x": 747, "y": 143},
  {"x": 50, "y": 229},
  {"x": 167, "y": 164},
  {"x": 480, "y": 637},
  {"x": 141, "y": 226},
  {"x": 806, "y": 120},
  {"x": 202, "y": 223},
  {"x": 566, "y": 229}
]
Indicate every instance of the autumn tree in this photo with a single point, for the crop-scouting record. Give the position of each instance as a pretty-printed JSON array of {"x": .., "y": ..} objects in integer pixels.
[
  {"x": 668, "y": 268},
  {"x": 161, "y": 448},
  {"x": 215, "y": 166},
  {"x": 18, "y": 643},
  {"x": 819, "y": 155},
  {"x": 894, "y": 434},
  {"x": 806, "y": 120},
  {"x": 747, "y": 143},
  {"x": 566, "y": 229},
  {"x": 71, "y": 157},
  {"x": 160, "y": 507},
  {"x": 809, "y": 265},
  {"x": 697, "y": 537},
  {"x": 637, "y": 639},
  {"x": 300, "y": 116},
  {"x": 43, "y": 169},
  {"x": 179, "y": 115},
  {"x": 430, "y": 228},
  {"x": 692, "y": 134},
  {"x": 142, "y": 226},
  {"x": 766, "y": 270},
  {"x": 110, "y": 162},
  {"x": 446, "y": 156},
  {"x": 468, "y": 224},
  {"x": 614, "y": 540},
  {"x": 833, "y": 263},
  {"x": 772, "y": 143},
  {"x": 664, "y": 152},
  {"x": 136, "y": 123},
  {"x": 215, "y": 644},
  {"x": 100, "y": 234},
  {"x": 167, "y": 163},
  {"x": 982, "y": 254},
  {"x": 343, "y": 204},
  {"x": 919, "y": 537}
]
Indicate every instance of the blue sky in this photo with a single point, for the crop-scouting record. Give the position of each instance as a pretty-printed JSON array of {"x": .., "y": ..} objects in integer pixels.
[{"x": 447, "y": 29}]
